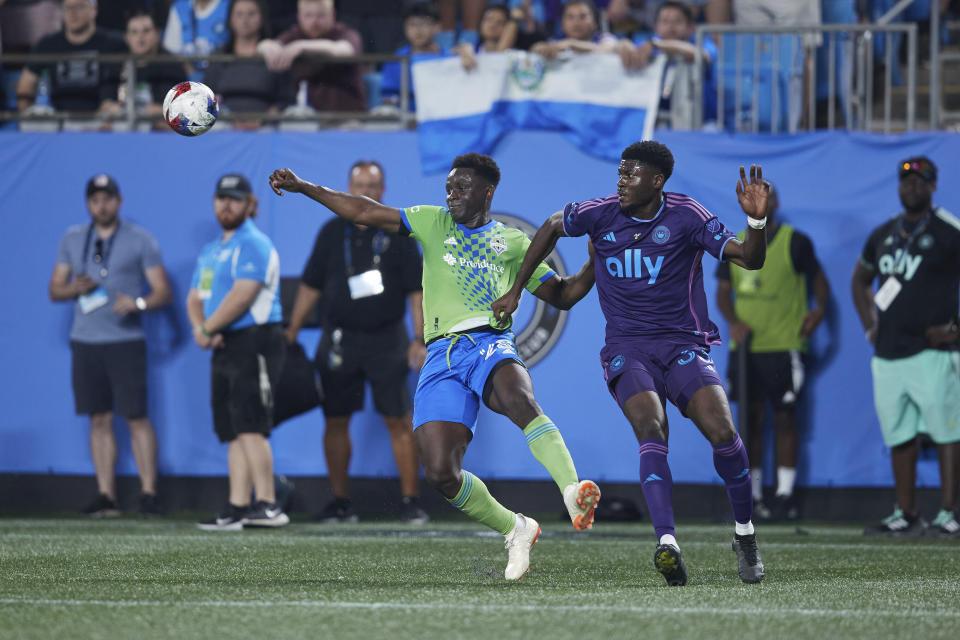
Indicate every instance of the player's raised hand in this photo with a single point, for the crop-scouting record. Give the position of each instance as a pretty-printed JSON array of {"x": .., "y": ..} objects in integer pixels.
[
  {"x": 752, "y": 194},
  {"x": 286, "y": 180},
  {"x": 504, "y": 306}
]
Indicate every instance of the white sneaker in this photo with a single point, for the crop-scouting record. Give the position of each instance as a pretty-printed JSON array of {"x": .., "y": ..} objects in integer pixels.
[
  {"x": 581, "y": 499},
  {"x": 519, "y": 541}
]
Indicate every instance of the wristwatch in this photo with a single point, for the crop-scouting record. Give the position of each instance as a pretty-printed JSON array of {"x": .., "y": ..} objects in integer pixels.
[{"x": 141, "y": 303}]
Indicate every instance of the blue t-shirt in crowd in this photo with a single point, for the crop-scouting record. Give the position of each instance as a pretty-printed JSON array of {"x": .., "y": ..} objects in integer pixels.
[
  {"x": 118, "y": 263},
  {"x": 709, "y": 77},
  {"x": 390, "y": 81},
  {"x": 192, "y": 32},
  {"x": 247, "y": 255}
]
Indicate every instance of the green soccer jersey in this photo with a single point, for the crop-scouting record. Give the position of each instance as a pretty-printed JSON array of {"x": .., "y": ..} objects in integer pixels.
[{"x": 465, "y": 270}]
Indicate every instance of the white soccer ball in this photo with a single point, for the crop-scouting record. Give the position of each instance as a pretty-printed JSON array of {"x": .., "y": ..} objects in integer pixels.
[{"x": 190, "y": 108}]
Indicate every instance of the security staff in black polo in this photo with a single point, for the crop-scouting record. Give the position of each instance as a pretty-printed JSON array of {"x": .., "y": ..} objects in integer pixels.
[{"x": 366, "y": 278}]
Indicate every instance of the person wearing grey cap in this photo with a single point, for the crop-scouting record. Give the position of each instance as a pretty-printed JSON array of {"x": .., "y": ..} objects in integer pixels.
[
  {"x": 100, "y": 267},
  {"x": 911, "y": 321},
  {"x": 234, "y": 308}
]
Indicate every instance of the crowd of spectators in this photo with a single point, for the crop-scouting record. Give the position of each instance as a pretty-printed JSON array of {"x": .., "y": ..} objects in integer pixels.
[{"x": 292, "y": 38}]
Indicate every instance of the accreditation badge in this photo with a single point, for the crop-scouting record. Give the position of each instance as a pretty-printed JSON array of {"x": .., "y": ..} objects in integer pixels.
[
  {"x": 887, "y": 293},
  {"x": 93, "y": 300},
  {"x": 205, "y": 289},
  {"x": 366, "y": 284}
]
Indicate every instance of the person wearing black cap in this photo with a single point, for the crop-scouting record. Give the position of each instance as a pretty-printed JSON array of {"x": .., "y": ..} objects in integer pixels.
[
  {"x": 366, "y": 277},
  {"x": 100, "y": 268},
  {"x": 911, "y": 320},
  {"x": 234, "y": 308}
]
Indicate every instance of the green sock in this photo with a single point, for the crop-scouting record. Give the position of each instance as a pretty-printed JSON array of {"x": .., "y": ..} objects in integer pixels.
[
  {"x": 547, "y": 446},
  {"x": 475, "y": 500}
]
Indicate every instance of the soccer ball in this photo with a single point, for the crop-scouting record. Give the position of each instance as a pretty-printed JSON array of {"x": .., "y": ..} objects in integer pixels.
[{"x": 190, "y": 108}]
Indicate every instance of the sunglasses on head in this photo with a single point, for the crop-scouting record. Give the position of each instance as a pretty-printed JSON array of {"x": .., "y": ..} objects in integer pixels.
[{"x": 920, "y": 166}]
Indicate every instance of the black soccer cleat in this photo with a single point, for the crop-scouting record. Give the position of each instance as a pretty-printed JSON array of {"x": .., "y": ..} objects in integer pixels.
[
  {"x": 749, "y": 564},
  {"x": 101, "y": 507},
  {"x": 338, "y": 510},
  {"x": 668, "y": 560},
  {"x": 149, "y": 506}
]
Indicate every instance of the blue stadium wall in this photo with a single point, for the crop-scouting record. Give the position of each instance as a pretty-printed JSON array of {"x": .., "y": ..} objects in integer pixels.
[{"x": 834, "y": 186}]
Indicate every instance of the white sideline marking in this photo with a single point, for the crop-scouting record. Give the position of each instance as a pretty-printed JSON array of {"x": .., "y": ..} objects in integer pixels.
[
  {"x": 485, "y": 607},
  {"x": 909, "y": 545}
]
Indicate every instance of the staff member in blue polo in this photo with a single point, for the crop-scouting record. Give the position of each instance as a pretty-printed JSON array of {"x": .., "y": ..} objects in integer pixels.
[{"x": 234, "y": 308}]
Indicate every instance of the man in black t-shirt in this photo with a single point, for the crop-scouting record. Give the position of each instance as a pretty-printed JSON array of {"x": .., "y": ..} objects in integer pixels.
[
  {"x": 366, "y": 278},
  {"x": 75, "y": 84},
  {"x": 912, "y": 322}
]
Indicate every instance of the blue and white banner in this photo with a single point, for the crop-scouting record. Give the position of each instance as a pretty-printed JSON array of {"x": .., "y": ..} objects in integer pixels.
[{"x": 600, "y": 106}]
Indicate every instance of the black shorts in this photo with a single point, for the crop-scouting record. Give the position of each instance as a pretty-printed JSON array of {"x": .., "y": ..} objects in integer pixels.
[
  {"x": 776, "y": 376},
  {"x": 243, "y": 375},
  {"x": 380, "y": 358},
  {"x": 110, "y": 377}
]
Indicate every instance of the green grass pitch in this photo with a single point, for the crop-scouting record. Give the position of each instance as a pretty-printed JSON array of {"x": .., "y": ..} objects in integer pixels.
[{"x": 70, "y": 578}]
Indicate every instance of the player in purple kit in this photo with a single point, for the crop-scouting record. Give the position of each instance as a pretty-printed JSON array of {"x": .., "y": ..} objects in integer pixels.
[{"x": 648, "y": 248}]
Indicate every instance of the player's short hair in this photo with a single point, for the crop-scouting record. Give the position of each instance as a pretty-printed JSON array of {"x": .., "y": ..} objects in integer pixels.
[
  {"x": 679, "y": 6},
  {"x": 483, "y": 165},
  {"x": 367, "y": 163},
  {"x": 422, "y": 10},
  {"x": 651, "y": 153}
]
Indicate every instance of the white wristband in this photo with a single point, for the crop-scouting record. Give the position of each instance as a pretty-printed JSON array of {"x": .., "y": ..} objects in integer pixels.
[{"x": 757, "y": 224}]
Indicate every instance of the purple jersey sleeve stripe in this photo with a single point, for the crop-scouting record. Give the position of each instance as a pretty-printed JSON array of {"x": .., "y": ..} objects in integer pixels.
[
  {"x": 563, "y": 218},
  {"x": 724, "y": 246},
  {"x": 693, "y": 271},
  {"x": 406, "y": 223},
  {"x": 698, "y": 208}
]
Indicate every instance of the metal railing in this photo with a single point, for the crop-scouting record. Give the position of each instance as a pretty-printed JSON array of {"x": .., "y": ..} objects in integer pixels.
[
  {"x": 131, "y": 116},
  {"x": 857, "y": 107}
]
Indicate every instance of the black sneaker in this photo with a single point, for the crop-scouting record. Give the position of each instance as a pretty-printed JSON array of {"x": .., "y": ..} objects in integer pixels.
[
  {"x": 898, "y": 524},
  {"x": 149, "y": 505},
  {"x": 338, "y": 510},
  {"x": 411, "y": 513},
  {"x": 267, "y": 515},
  {"x": 785, "y": 508},
  {"x": 101, "y": 507},
  {"x": 749, "y": 564},
  {"x": 668, "y": 560},
  {"x": 230, "y": 519}
]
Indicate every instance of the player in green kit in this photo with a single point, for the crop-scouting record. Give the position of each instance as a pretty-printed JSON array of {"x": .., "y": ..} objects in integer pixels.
[{"x": 470, "y": 260}]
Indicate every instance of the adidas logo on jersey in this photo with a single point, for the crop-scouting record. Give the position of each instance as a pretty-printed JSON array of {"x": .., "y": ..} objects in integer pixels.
[
  {"x": 610, "y": 237},
  {"x": 451, "y": 240}
]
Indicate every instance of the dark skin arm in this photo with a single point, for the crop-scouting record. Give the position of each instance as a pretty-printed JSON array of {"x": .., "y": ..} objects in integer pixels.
[
  {"x": 862, "y": 289},
  {"x": 356, "y": 209},
  {"x": 739, "y": 330},
  {"x": 544, "y": 240},
  {"x": 821, "y": 296},
  {"x": 563, "y": 293},
  {"x": 752, "y": 196}
]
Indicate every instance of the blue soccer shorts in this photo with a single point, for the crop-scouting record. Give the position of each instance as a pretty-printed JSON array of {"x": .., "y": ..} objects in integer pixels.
[{"x": 452, "y": 378}]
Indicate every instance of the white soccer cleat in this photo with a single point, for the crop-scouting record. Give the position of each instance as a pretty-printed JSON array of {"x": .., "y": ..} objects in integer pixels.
[
  {"x": 581, "y": 499},
  {"x": 519, "y": 541}
]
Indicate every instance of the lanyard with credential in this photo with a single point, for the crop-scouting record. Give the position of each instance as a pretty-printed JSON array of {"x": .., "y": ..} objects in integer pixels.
[
  {"x": 102, "y": 257},
  {"x": 909, "y": 238},
  {"x": 378, "y": 241}
]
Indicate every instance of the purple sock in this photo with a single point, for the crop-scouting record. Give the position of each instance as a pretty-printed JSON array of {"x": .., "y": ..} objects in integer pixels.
[
  {"x": 730, "y": 461},
  {"x": 657, "y": 485}
]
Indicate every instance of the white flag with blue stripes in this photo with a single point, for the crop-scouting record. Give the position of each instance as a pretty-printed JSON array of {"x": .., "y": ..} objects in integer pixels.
[{"x": 601, "y": 107}]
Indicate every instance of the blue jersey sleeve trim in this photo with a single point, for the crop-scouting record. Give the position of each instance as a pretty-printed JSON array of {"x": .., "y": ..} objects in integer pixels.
[
  {"x": 724, "y": 246},
  {"x": 549, "y": 274},
  {"x": 406, "y": 222}
]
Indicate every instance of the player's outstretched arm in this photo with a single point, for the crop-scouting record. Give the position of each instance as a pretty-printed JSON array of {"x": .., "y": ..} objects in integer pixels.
[
  {"x": 752, "y": 195},
  {"x": 540, "y": 247},
  {"x": 356, "y": 209},
  {"x": 563, "y": 293}
]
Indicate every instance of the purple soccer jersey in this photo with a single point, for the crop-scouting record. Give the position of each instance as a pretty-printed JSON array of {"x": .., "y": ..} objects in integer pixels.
[{"x": 649, "y": 274}]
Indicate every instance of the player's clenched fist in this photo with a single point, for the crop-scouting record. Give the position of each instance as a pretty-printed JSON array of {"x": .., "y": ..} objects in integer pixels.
[{"x": 285, "y": 179}]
